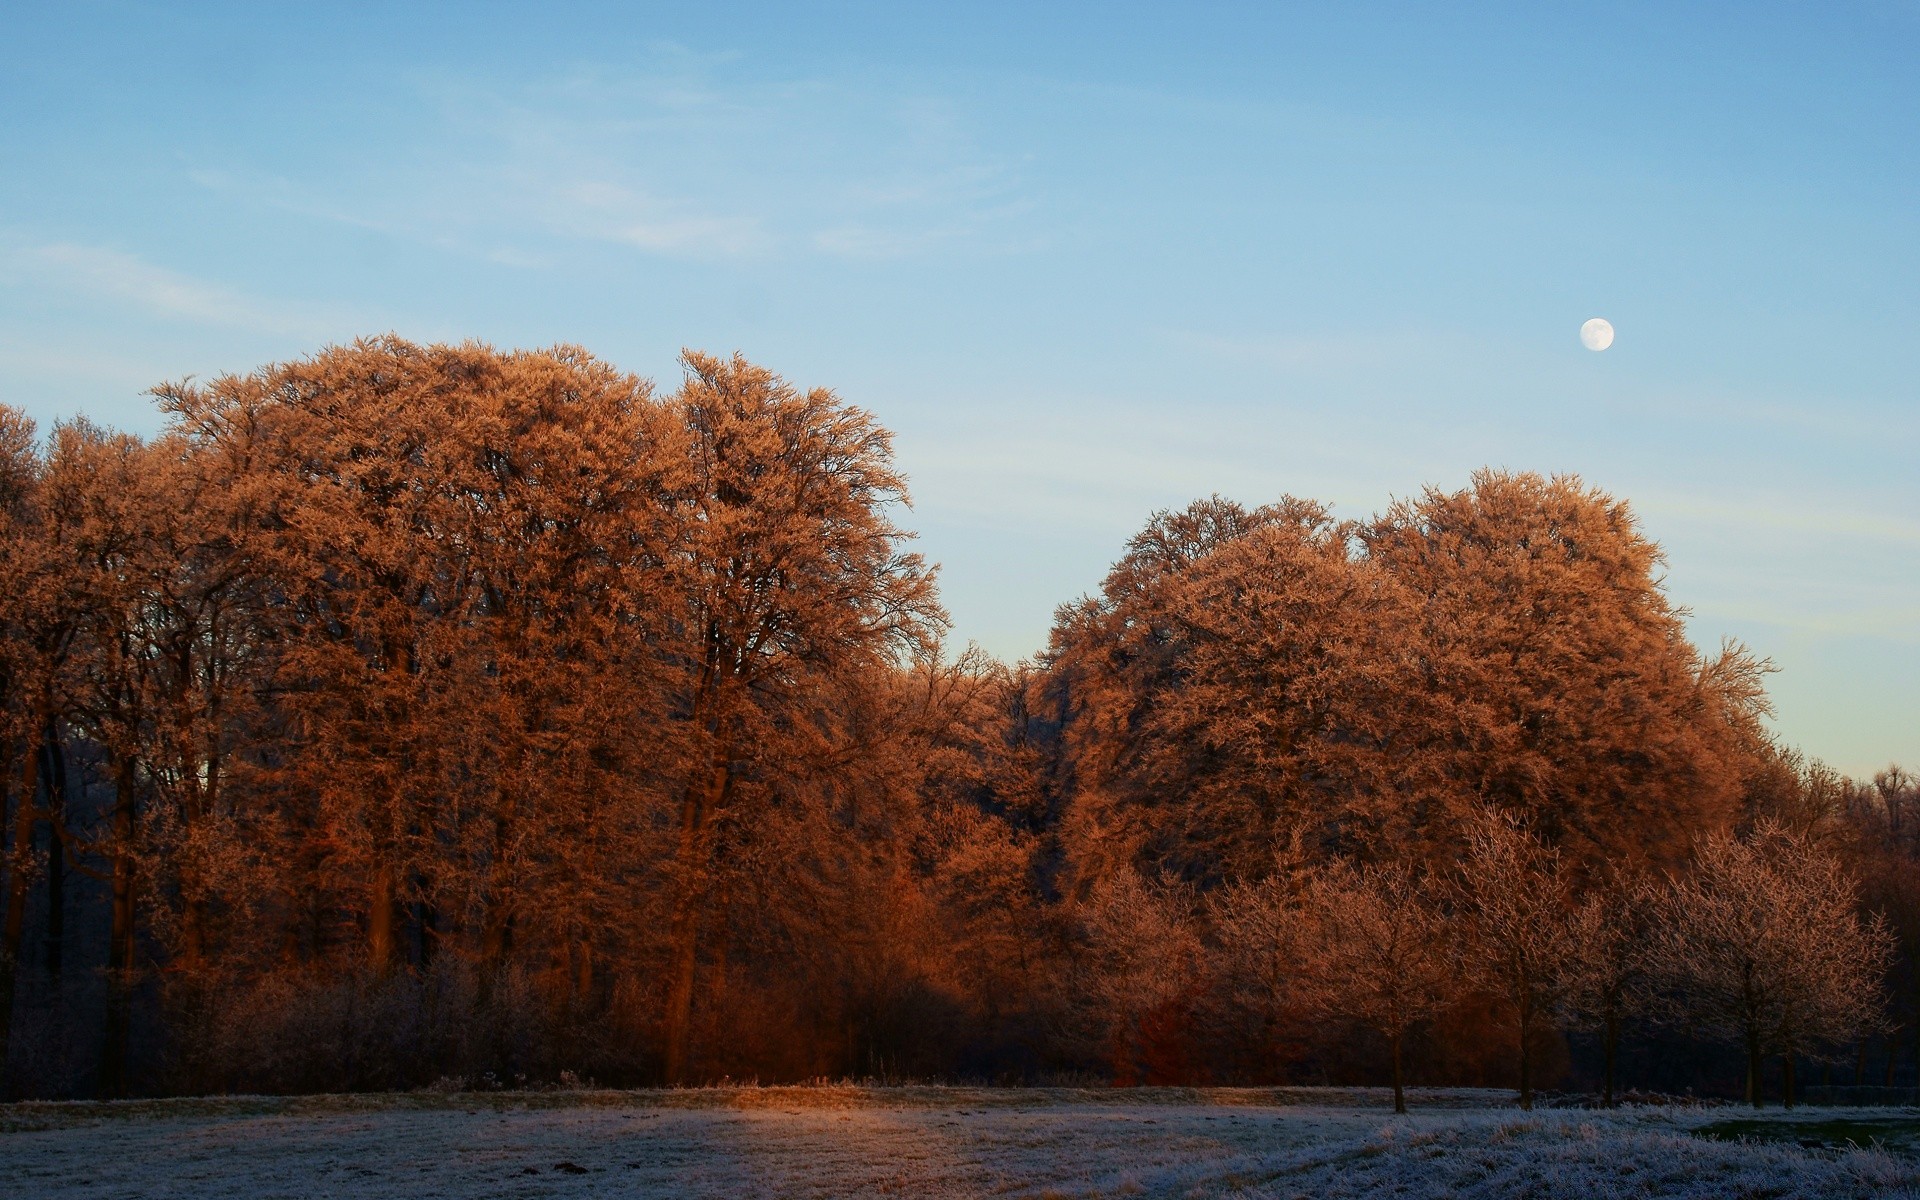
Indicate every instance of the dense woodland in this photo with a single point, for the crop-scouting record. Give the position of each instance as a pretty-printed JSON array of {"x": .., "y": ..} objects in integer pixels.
[{"x": 418, "y": 716}]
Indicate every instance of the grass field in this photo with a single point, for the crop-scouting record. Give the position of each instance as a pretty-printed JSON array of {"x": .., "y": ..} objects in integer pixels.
[{"x": 944, "y": 1142}]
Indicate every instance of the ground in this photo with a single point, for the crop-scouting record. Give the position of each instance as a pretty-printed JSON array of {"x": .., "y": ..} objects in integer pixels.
[{"x": 941, "y": 1142}]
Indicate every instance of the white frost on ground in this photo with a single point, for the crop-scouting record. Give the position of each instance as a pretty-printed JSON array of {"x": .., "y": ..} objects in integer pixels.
[{"x": 922, "y": 1142}]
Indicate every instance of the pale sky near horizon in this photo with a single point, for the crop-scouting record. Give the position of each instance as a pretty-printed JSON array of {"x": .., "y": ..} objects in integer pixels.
[{"x": 1086, "y": 260}]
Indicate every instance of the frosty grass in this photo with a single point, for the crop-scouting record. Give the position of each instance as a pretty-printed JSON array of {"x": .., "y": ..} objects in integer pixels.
[{"x": 941, "y": 1142}]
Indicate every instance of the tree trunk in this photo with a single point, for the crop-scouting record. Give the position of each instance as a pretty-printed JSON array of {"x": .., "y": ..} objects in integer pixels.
[
  {"x": 720, "y": 961},
  {"x": 425, "y": 920},
  {"x": 116, "y": 1036},
  {"x": 1753, "y": 1071},
  {"x": 583, "y": 974},
  {"x": 399, "y": 661},
  {"x": 1526, "y": 1058},
  {"x": 702, "y": 799},
  {"x": 680, "y": 973},
  {"x": 1610, "y": 1037},
  {"x": 16, "y": 920},
  {"x": 496, "y": 936},
  {"x": 1399, "y": 1090},
  {"x": 496, "y": 932},
  {"x": 53, "y": 770},
  {"x": 1786, "y": 1082},
  {"x": 380, "y": 906}
]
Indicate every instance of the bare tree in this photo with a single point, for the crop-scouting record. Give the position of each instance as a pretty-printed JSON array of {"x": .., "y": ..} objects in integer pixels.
[
  {"x": 1382, "y": 956},
  {"x": 1261, "y": 940},
  {"x": 1141, "y": 955},
  {"x": 1516, "y": 904},
  {"x": 1603, "y": 967},
  {"x": 1763, "y": 943}
]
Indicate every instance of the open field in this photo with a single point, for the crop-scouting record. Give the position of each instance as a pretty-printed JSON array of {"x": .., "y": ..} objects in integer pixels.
[{"x": 844, "y": 1141}]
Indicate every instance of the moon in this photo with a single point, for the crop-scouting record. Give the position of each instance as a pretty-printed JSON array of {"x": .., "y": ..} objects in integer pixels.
[{"x": 1597, "y": 334}]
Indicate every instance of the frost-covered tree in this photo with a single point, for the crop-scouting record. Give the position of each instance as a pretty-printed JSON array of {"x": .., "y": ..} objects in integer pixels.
[
  {"x": 1261, "y": 945},
  {"x": 34, "y": 628},
  {"x": 1556, "y": 679},
  {"x": 1382, "y": 956},
  {"x": 1139, "y": 963},
  {"x": 1602, "y": 970},
  {"x": 1762, "y": 943},
  {"x": 791, "y": 583},
  {"x": 1516, "y": 904}
]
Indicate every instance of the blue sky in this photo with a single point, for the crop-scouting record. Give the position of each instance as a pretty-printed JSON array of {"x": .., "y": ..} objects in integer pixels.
[{"x": 1086, "y": 261}]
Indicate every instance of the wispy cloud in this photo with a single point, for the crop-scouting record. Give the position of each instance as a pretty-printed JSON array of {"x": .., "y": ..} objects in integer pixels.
[
  {"x": 1769, "y": 518},
  {"x": 691, "y": 156},
  {"x": 106, "y": 274},
  {"x": 1894, "y": 623},
  {"x": 278, "y": 192},
  {"x": 1316, "y": 351},
  {"x": 596, "y": 209}
]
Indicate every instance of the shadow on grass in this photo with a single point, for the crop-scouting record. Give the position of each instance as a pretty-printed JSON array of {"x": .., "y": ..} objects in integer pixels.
[{"x": 1900, "y": 1135}]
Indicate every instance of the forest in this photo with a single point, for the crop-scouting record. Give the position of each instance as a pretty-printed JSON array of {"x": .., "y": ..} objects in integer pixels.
[{"x": 420, "y": 716}]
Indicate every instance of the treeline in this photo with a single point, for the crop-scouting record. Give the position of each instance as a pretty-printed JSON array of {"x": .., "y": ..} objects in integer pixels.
[{"x": 433, "y": 715}]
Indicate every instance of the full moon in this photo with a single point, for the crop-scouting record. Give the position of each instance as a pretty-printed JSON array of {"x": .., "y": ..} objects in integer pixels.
[{"x": 1596, "y": 334}]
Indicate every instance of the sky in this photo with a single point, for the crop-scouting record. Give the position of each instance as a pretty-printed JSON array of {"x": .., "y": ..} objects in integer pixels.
[{"x": 1087, "y": 261}]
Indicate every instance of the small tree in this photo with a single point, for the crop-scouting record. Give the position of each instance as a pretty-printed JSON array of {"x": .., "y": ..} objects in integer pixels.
[
  {"x": 1516, "y": 905},
  {"x": 1262, "y": 937},
  {"x": 1763, "y": 944},
  {"x": 1140, "y": 959},
  {"x": 1381, "y": 956},
  {"x": 1603, "y": 969}
]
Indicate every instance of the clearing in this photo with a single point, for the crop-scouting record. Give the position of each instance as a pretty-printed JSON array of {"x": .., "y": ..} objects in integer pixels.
[{"x": 940, "y": 1142}]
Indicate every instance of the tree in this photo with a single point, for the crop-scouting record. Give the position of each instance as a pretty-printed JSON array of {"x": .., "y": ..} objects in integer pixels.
[
  {"x": 1286, "y": 713},
  {"x": 1886, "y": 857},
  {"x": 1112, "y": 661},
  {"x": 1516, "y": 904},
  {"x": 1555, "y": 678},
  {"x": 1762, "y": 943},
  {"x": 1236, "y": 677},
  {"x": 32, "y": 635},
  {"x": 790, "y": 574},
  {"x": 1139, "y": 968},
  {"x": 1382, "y": 956},
  {"x": 464, "y": 547},
  {"x": 114, "y": 515},
  {"x": 1262, "y": 946},
  {"x": 1601, "y": 975}
]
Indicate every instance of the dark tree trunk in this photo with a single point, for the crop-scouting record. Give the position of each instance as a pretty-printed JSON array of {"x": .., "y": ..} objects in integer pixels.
[
  {"x": 1526, "y": 1057},
  {"x": 1753, "y": 1071},
  {"x": 24, "y": 818},
  {"x": 53, "y": 770},
  {"x": 381, "y": 903},
  {"x": 583, "y": 974},
  {"x": 426, "y": 928},
  {"x": 695, "y": 852},
  {"x": 496, "y": 934},
  {"x": 1399, "y": 1089},
  {"x": 496, "y": 927},
  {"x": 114, "y": 1050},
  {"x": 1786, "y": 1081},
  {"x": 399, "y": 659},
  {"x": 1610, "y": 1037},
  {"x": 721, "y": 959}
]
